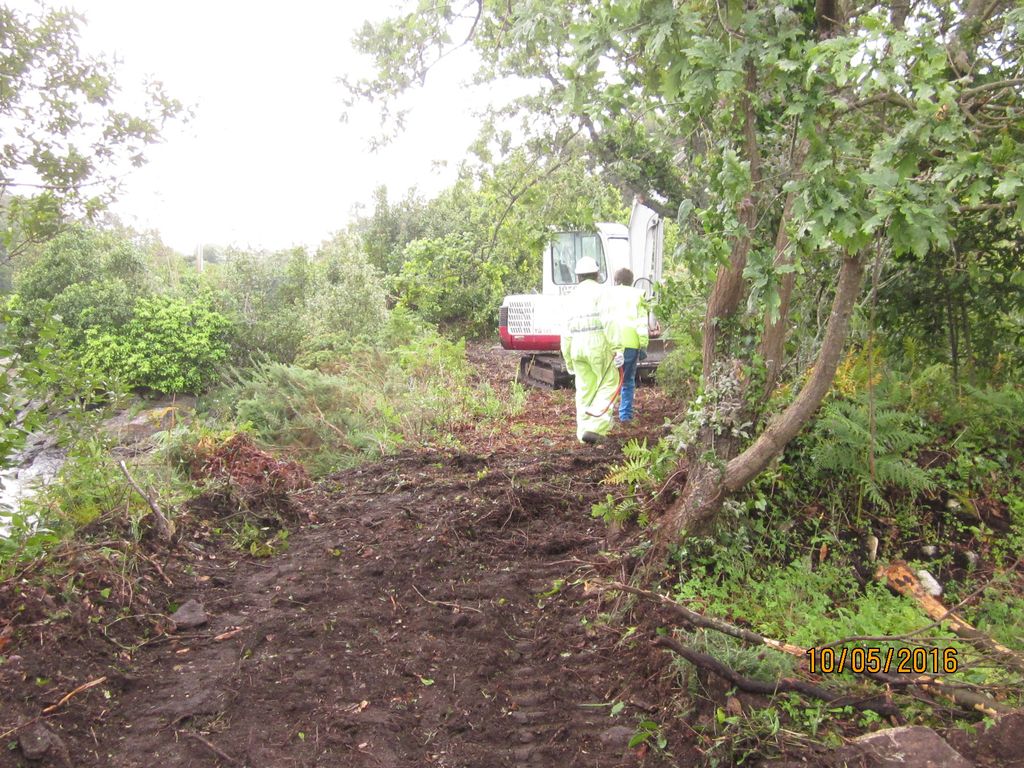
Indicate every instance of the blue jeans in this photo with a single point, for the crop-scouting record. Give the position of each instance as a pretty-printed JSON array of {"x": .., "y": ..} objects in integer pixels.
[{"x": 632, "y": 357}]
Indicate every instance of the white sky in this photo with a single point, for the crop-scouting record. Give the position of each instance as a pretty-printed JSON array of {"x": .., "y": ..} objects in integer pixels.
[{"x": 266, "y": 161}]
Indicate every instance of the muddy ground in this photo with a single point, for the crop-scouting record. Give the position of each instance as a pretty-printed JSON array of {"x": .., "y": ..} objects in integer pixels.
[
  {"x": 440, "y": 607},
  {"x": 434, "y": 608}
]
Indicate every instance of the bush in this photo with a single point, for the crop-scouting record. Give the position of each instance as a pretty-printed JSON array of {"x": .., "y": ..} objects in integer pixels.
[
  {"x": 679, "y": 373},
  {"x": 81, "y": 255},
  {"x": 86, "y": 278},
  {"x": 346, "y": 304},
  {"x": 450, "y": 282},
  {"x": 93, "y": 305},
  {"x": 364, "y": 401},
  {"x": 267, "y": 294},
  {"x": 170, "y": 345}
]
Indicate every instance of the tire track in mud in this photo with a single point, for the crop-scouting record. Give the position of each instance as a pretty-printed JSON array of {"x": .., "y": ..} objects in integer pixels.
[{"x": 435, "y": 617}]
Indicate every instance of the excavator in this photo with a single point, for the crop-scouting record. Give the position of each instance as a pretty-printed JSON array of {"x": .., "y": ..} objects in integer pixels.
[{"x": 531, "y": 323}]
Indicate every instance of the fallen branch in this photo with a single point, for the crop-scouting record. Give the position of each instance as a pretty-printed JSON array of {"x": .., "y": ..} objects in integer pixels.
[
  {"x": 901, "y": 579},
  {"x": 164, "y": 527},
  {"x": 959, "y": 694},
  {"x": 783, "y": 685},
  {"x": 718, "y": 625},
  {"x": 78, "y": 690},
  {"x": 454, "y": 606},
  {"x": 212, "y": 747},
  {"x": 971, "y": 700}
]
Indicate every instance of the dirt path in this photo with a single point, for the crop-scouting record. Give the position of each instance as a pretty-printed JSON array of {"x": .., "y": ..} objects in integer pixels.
[{"x": 435, "y": 613}]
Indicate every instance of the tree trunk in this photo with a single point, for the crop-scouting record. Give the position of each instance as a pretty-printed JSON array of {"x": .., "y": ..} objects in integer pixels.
[
  {"x": 715, "y": 470},
  {"x": 773, "y": 339},
  {"x": 787, "y": 424},
  {"x": 954, "y": 347},
  {"x": 723, "y": 381}
]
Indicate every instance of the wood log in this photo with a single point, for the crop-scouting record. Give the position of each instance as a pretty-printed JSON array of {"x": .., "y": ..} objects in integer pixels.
[{"x": 901, "y": 579}]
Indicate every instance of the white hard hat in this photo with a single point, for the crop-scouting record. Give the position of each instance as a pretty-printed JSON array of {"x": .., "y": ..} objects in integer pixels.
[{"x": 587, "y": 266}]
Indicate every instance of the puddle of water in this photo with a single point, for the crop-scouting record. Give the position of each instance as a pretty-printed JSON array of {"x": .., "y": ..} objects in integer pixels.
[{"x": 21, "y": 482}]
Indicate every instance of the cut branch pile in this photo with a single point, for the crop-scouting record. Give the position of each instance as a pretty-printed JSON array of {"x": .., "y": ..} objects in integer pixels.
[{"x": 254, "y": 478}]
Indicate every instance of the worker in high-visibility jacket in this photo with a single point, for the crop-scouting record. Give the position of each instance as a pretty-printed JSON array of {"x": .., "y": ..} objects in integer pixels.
[
  {"x": 589, "y": 354},
  {"x": 626, "y": 328}
]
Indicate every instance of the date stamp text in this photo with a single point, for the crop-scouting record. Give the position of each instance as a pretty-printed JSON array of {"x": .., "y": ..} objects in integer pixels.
[{"x": 876, "y": 659}]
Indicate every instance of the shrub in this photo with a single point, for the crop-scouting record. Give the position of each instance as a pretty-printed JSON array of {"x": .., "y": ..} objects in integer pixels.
[
  {"x": 93, "y": 305},
  {"x": 679, "y": 373},
  {"x": 81, "y": 255},
  {"x": 450, "y": 282},
  {"x": 346, "y": 304},
  {"x": 170, "y": 345},
  {"x": 87, "y": 278},
  {"x": 267, "y": 294},
  {"x": 362, "y": 401}
]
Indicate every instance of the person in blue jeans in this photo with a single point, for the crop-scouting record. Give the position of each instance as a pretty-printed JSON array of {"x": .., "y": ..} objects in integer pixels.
[{"x": 627, "y": 328}]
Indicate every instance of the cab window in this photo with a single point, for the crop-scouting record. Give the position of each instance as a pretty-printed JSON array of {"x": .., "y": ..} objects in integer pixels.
[{"x": 569, "y": 247}]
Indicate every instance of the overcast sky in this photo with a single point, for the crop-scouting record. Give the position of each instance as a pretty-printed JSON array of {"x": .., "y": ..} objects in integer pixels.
[{"x": 267, "y": 162}]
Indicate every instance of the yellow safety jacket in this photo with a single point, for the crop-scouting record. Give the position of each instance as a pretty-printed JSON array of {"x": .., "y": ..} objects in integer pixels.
[
  {"x": 584, "y": 333},
  {"x": 625, "y": 313}
]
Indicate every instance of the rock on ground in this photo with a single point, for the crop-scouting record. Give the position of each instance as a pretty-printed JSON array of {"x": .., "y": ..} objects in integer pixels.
[
  {"x": 37, "y": 742},
  {"x": 189, "y": 616},
  {"x": 908, "y": 747}
]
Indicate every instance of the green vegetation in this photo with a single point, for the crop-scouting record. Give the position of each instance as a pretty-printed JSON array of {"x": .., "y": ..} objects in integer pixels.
[
  {"x": 63, "y": 152},
  {"x": 844, "y": 288},
  {"x": 800, "y": 148},
  {"x": 931, "y": 470},
  {"x": 169, "y": 345},
  {"x": 366, "y": 403}
]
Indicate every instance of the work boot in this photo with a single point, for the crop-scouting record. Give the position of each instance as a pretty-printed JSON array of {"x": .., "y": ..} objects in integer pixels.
[{"x": 593, "y": 438}]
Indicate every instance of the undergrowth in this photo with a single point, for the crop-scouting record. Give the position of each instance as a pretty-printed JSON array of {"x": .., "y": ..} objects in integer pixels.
[
  {"x": 365, "y": 403},
  {"x": 354, "y": 405},
  {"x": 918, "y": 470}
]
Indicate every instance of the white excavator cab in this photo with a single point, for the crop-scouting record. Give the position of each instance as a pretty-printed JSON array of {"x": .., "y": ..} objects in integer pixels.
[{"x": 532, "y": 322}]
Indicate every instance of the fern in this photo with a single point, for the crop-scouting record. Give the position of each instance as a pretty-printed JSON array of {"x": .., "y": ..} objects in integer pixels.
[
  {"x": 843, "y": 446},
  {"x": 643, "y": 466},
  {"x": 642, "y": 469}
]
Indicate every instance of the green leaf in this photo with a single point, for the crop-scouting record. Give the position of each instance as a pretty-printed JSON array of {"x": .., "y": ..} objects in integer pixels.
[{"x": 1008, "y": 186}]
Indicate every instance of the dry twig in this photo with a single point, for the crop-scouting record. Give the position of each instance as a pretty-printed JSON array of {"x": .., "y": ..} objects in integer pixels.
[
  {"x": 455, "y": 606},
  {"x": 164, "y": 527},
  {"x": 78, "y": 690},
  {"x": 212, "y": 747}
]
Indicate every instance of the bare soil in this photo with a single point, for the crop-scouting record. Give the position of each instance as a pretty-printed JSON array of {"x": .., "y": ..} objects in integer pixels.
[{"x": 431, "y": 609}]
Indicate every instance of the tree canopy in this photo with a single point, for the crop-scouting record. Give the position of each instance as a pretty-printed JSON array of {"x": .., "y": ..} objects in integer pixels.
[{"x": 66, "y": 135}]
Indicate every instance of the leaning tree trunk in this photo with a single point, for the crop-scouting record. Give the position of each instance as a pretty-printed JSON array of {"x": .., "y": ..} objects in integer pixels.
[
  {"x": 716, "y": 468},
  {"x": 715, "y": 465}
]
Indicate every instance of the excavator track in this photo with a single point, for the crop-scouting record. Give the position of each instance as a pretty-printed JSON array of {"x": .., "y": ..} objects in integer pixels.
[{"x": 547, "y": 369}]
